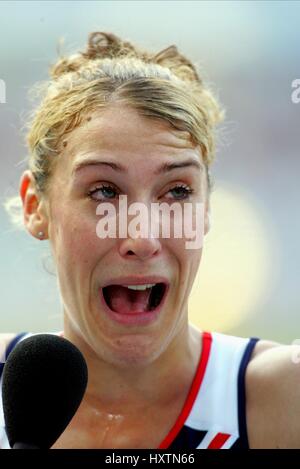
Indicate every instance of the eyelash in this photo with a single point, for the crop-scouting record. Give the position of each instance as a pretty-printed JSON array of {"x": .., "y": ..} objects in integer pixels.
[{"x": 187, "y": 191}]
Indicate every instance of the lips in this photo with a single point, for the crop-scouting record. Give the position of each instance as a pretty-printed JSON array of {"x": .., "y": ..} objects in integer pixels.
[
  {"x": 125, "y": 300},
  {"x": 136, "y": 280},
  {"x": 138, "y": 304}
]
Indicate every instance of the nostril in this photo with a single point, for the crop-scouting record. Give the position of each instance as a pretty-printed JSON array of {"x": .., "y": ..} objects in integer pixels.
[{"x": 130, "y": 253}]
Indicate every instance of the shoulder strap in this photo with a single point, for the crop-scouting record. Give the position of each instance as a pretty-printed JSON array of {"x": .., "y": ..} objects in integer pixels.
[
  {"x": 220, "y": 407},
  {"x": 10, "y": 347},
  {"x": 242, "y": 442}
]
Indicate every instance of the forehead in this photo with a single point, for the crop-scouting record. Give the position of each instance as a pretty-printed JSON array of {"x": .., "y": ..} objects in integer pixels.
[{"x": 123, "y": 130}]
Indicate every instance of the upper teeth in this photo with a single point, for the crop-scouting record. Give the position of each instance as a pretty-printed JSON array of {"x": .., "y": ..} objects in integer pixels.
[{"x": 139, "y": 287}]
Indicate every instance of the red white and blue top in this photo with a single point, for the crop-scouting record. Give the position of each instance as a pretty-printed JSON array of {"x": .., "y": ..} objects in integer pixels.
[{"x": 214, "y": 413}]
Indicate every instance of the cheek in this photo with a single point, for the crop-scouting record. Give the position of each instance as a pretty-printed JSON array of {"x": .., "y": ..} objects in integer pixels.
[
  {"x": 190, "y": 269},
  {"x": 73, "y": 239},
  {"x": 192, "y": 259},
  {"x": 188, "y": 259}
]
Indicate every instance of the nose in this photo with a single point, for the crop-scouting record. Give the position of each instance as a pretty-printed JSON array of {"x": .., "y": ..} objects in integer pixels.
[
  {"x": 143, "y": 242},
  {"x": 142, "y": 248}
]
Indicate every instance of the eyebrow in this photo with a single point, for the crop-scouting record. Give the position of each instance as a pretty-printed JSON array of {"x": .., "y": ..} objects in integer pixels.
[{"x": 164, "y": 168}]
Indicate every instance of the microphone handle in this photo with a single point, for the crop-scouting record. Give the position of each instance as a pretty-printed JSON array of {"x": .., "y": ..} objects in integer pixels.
[{"x": 19, "y": 445}]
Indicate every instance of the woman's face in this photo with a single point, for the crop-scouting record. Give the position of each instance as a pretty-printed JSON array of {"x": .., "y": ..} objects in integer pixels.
[{"x": 129, "y": 151}]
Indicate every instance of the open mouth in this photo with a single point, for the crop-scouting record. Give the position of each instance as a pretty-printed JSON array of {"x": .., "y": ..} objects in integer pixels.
[{"x": 134, "y": 298}]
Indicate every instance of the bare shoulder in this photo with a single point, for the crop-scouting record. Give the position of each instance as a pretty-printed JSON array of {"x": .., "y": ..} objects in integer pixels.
[
  {"x": 262, "y": 346},
  {"x": 273, "y": 396}
]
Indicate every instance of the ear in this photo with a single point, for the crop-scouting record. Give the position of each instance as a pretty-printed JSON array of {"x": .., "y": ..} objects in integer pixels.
[{"x": 34, "y": 206}]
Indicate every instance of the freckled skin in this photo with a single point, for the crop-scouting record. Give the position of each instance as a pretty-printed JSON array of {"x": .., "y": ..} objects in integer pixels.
[
  {"x": 139, "y": 377},
  {"x": 132, "y": 369},
  {"x": 84, "y": 261}
]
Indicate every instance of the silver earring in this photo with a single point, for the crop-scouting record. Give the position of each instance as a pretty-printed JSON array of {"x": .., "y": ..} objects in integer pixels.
[{"x": 40, "y": 234}]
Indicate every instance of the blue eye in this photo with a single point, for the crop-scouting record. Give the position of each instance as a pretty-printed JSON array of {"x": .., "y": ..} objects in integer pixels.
[
  {"x": 108, "y": 192},
  {"x": 183, "y": 192}
]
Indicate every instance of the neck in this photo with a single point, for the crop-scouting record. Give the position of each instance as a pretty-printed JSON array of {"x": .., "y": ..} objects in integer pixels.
[{"x": 159, "y": 383}]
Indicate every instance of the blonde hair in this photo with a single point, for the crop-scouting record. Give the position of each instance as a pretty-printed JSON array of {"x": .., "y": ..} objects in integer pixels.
[{"x": 163, "y": 85}]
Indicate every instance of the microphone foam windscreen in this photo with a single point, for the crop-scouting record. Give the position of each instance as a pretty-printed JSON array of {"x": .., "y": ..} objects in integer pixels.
[{"x": 44, "y": 380}]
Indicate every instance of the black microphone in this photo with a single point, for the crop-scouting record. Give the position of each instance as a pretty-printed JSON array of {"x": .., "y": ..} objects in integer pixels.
[{"x": 44, "y": 380}]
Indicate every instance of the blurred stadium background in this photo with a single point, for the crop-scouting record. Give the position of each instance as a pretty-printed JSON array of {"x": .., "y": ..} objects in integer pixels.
[{"x": 249, "y": 279}]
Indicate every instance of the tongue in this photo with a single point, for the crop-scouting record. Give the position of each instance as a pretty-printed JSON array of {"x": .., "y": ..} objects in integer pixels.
[{"x": 125, "y": 301}]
